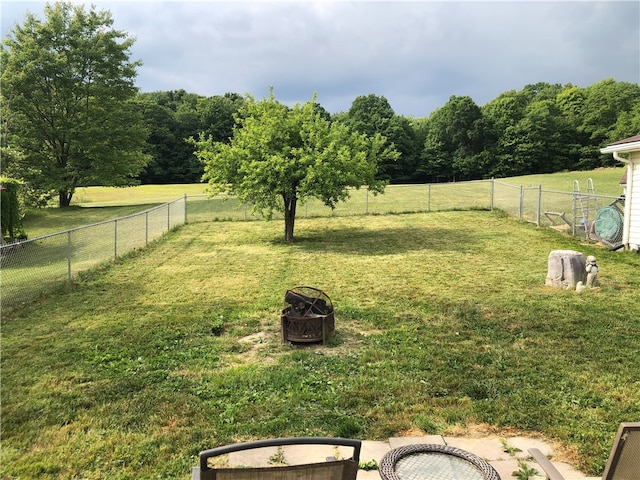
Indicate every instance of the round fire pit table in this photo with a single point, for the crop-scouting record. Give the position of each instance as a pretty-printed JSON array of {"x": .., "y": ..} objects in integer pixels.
[{"x": 434, "y": 462}]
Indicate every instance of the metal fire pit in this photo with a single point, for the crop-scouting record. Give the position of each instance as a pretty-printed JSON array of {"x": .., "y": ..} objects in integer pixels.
[{"x": 308, "y": 317}]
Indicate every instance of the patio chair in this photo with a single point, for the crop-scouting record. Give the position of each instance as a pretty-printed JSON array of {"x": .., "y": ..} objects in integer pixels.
[
  {"x": 325, "y": 468},
  {"x": 624, "y": 459}
]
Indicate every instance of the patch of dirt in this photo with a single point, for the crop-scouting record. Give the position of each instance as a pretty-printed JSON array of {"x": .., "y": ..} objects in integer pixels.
[
  {"x": 412, "y": 432},
  {"x": 259, "y": 341},
  {"x": 265, "y": 346},
  {"x": 476, "y": 431}
]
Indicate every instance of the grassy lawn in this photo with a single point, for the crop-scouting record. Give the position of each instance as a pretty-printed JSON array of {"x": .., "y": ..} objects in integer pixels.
[
  {"x": 97, "y": 204},
  {"x": 443, "y": 323},
  {"x": 606, "y": 181},
  {"x": 112, "y": 196}
]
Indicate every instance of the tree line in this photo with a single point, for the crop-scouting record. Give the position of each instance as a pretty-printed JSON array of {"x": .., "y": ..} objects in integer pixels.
[
  {"x": 543, "y": 128},
  {"x": 73, "y": 117}
]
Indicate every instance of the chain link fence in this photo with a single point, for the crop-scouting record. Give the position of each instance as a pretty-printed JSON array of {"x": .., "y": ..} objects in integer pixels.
[
  {"x": 594, "y": 217},
  {"x": 34, "y": 267},
  {"x": 396, "y": 199}
]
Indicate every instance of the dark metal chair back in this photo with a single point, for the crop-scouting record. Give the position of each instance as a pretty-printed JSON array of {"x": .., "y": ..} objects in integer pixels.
[{"x": 345, "y": 469}]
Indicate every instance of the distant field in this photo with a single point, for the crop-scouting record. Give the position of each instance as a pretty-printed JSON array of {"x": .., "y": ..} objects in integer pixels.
[
  {"x": 95, "y": 204},
  {"x": 606, "y": 182},
  {"x": 142, "y": 194}
]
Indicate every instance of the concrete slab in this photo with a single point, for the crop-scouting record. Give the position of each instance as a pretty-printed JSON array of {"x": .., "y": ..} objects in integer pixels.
[
  {"x": 524, "y": 444},
  {"x": 372, "y": 450},
  {"x": 396, "y": 442},
  {"x": 288, "y": 455},
  {"x": 488, "y": 448},
  {"x": 301, "y": 454},
  {"x": 257, "y": 457},
  {"x": 368, "y": 475},
  {"x": 566, "y": 470},
  {"x": 505, "y": 468}
]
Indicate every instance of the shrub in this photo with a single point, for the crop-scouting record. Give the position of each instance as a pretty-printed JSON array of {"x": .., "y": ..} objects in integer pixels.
[{"x": 10, "y": 209}]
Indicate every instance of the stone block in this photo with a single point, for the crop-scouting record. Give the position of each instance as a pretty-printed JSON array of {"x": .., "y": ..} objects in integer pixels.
[{"x": 566, "y": 268}]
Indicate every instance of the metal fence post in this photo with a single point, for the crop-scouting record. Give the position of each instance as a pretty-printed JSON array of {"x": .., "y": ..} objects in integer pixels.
[
  {"x": 146, "y": 228},
  {"x": 115, "y": 239},
  {"x": 185, "y": 208},
  {"x": 366, "y": 206},
  {"x": 521, "y": 202},
  {"x": 69, "y": 255},
  {"x": 539, "y": 205},
  {"x": 493, "y": 191},
  {"x": 575, "y": 214}
]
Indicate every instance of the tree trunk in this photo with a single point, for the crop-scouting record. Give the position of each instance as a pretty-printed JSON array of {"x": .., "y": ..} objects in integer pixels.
[
  {"x": 289, "y": 216},
  {"x": 64, "y": 198}
]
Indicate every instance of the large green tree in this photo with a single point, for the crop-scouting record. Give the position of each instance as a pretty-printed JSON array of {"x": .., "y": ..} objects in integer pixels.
[
  {"x": 454, "y": 141},
  {"x": 279, "y": 156},
  {"x": 604, "y": 103},
  {"x": 217, "y": 115},
  {"x": 67, "y": 90},
  {"x": 371, "y": 114}
]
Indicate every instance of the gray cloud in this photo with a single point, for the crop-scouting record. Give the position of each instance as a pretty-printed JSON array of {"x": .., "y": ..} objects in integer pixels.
[{"x": 416, "y": 54}]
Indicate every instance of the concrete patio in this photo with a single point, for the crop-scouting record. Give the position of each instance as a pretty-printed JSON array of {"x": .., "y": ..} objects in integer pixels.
[{"x": 502, "y": 453}]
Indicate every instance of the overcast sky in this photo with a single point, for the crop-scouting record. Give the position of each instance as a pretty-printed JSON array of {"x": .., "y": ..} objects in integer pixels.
[{"x": 416, "y": 54}]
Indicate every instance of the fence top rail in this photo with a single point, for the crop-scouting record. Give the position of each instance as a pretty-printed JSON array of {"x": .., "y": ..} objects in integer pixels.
[
  {"x": 584, "y": 194},
  {"x": 563, "y": 192},
  {"x": 498, "y": 182},
  {"x": 75, "y": 229}
]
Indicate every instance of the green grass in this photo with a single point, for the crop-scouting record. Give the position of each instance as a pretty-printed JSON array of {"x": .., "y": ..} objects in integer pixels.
[
  {"x": 443, "y": 322},
  {"x": 606, "y": 181},
  {"x": 96, "y": 204},
  {"x": 51, "y": 220},
  {"x": 113, "y": 196}
]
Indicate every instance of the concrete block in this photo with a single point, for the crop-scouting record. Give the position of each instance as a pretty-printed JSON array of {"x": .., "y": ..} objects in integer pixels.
[
  {"x": 565, "y": 269},
  {"x": 302, "y": 454}
]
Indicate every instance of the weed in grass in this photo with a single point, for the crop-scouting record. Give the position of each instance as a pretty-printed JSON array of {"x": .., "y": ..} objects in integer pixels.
[{"x": 426, "y": 424}]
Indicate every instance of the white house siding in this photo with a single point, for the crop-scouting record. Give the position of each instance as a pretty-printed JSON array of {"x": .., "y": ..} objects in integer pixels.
[
  {"x": 628, "y": 151},
  {"x": 633, "y": 197}
]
